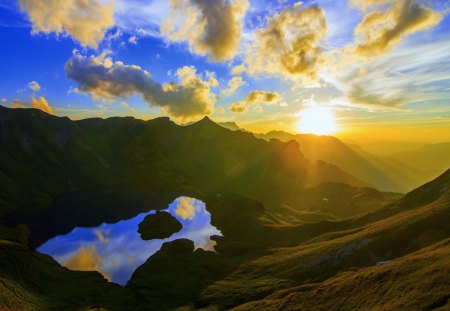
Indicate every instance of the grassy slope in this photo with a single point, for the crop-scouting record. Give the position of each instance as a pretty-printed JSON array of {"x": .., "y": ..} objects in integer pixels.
[
  {"x": 32, "y": 281},
  {"x": 259, "y": 255},
  {"x": 407, "y": 231},
  {"x": 418, "y": 281},
  {"x": 256, "y": 259}
]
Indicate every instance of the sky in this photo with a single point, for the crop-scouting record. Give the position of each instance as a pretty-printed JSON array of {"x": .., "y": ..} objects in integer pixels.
[{"x": 381, "y": 68}]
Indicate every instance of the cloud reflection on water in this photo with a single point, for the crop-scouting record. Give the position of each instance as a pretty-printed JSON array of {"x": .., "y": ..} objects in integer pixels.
[{"x": 116, "y": 250}]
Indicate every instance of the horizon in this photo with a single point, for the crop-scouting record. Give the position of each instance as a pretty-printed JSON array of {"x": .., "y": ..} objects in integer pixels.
[
  {"x": 224, "y": 155},
  {"x": 187, "y": 73}
]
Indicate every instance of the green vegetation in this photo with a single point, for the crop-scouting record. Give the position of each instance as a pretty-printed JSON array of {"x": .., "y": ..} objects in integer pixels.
[{"x": 296, "y": 233}]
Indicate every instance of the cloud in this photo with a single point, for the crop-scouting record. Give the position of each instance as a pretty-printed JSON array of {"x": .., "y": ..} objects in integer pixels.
[
  {"x": 37, "y": 103},
  {"x": 143, "y": 16},
  {"x": 42, "y": 104},
  {"x": 101, "y": 236},
  {"x": 365, "y": 4},
  {"x": 185, "y": 208},
  {"x": 86, "y": 259},
  {"x": 233, "y": 85},
  {"x": 34, "y": 86},
  {"x": 414, "y": 73},
  {"x": 238, "y": 70},
  {"x": 290, "y": 45},
  {"x": 132, "y": 40},
  {"x": 84, "y": 20},
  {"x": 219, "y": 110},
  {"x": 188, "y": 99},
  {"x": 16, "y": 103},
  {"x": 211, "y": 28},
  {"x": 380, "y": 31},
  {"x": 253, "y": 98}
]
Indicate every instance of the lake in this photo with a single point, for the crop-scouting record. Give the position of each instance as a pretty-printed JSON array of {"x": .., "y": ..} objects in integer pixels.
[{"x": 117, "y": 250}]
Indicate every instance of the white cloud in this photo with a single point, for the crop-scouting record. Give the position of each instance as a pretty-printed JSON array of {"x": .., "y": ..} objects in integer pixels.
[
  {"x": 34, "y": 86},
  {"x": 188, "y": 99},
  {"x": 85, "y": 21}
]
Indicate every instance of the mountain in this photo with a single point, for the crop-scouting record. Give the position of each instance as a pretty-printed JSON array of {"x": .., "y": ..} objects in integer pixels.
[
  {"x": 386, "y": 174},
  {"x": 406, "y": 255},
  {"x": 295, "y": 233},
  {"x": 47, "y": 158},
  {"x": 396, "y": 258},
  {"x": 431, "y": 159}
]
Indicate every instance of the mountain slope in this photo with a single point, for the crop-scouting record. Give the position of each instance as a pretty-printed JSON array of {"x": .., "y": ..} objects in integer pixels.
[
  {"x": 44, "y": 157},
  {"x": 383, "y": 173},
  {"x": 431, "y": 159},
  {"x": 418, "y": 281},
  {"x": 259, "y": 263},
  {"x": 407, "y": 229}
]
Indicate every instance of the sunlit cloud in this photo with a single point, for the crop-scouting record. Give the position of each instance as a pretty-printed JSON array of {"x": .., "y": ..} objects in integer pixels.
[
  {"x": 186, "y": 208},
  {"x": 253, "y": 98},
  {"x": 86, "y": 259},
  {"x": 233, "y": 85},
  {"x": 381, "y": 30},
  {"x": 42, "y": 104},
  {"x": 290, "y": 45},
  {"x": 409, "y": 74},
  {"x": 188, "y": 99},
  {"x": 102, "y": 236},
  {"x": 85, "y": 21},
  {"x": 365, "y": 4},
  {"x": 34, "y": 86},
  {"x": 211, "y": 28},
  {"x": 37, "y": 103},
  {"x": 140, "y": 18}
]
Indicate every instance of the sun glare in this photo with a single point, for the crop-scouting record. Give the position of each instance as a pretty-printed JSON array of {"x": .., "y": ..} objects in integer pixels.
[{"x": 317, "y": 120}]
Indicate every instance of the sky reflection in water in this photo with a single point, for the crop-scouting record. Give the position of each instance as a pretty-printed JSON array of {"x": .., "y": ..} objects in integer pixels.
[{"x": 116, "y": 250}]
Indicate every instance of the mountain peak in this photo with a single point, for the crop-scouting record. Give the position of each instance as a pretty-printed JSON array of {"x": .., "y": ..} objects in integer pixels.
[{"x": 205, "y": 122}]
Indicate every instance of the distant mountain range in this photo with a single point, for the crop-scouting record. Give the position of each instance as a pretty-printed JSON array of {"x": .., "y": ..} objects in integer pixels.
[
  {"x": 302, "y": 227},
  {"x": 46, "y": 157},
  {"x": 399, "y": 173}
]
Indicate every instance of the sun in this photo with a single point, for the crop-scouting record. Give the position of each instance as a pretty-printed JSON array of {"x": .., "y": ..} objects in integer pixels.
[{"x": 317, "y": 120}]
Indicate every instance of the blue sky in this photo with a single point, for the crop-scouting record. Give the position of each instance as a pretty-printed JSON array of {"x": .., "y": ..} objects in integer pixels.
[{"x": 396, "y": 78}]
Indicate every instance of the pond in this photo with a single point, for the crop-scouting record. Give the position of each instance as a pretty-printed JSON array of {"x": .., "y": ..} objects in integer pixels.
[{"x": 117, "y": 250}]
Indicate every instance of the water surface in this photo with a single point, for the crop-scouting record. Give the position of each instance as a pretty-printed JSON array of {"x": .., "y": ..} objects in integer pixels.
[{"x": 116, "y": 250}]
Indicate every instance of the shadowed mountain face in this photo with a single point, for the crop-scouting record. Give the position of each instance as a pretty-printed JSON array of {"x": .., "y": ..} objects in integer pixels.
[
  {"x": 294, "y": 232},
  {"x": 46, "y": 157}
]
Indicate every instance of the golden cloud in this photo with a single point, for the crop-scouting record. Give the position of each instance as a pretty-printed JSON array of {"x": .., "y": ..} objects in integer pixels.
[
  {"x": 84, "y": 20},
  {"x": 365, "y": 4},
  {"x": 34, "y": 86},
  {"x": 42, "y": 104},
  {"x": 37, "y": 103},
  {"x": 86, "y": 259},
  {"x": 185, "y": 208},
  {"x": 101, "y": 236},
  {"x": 290, "y": 45},
  {"x": 188, "y": 99},
  {"x": 253, "y": 98},
  {"x": 233, "y": 85},
  {"x": 210, "y": 27},
  {"x": 380, "y": 31}
]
